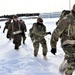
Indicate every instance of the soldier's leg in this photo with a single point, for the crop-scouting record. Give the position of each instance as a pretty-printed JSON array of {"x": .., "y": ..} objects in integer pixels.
[
  {"x": 17, "y": 41},
  {"x": 16, "y": 46},
  {"x": 44, "y": 46},
  {"x": 36, "y": 48},
  {"x": 70, "y": 68},
  {"x": 11, "y": 36},
  {"x": 24, "y": 38},
  {"x": 63, "y": 66}
]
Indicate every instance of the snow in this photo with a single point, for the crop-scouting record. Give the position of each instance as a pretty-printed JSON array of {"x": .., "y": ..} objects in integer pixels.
[{"x": 23, "y": 62}]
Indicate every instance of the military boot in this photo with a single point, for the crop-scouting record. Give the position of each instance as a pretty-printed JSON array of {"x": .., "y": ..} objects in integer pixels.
[
  {"x": 16, "y": 47},
  {"x": 23, "y": 42}
]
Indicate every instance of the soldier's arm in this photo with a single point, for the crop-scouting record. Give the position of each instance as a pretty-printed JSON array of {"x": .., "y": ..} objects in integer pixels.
[
  {"x": 57, "y": 32},
  {"x": 4, "y": 29}
]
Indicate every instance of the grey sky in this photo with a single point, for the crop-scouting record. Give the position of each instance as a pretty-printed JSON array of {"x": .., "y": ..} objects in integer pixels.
[{"x": 33, "y": 6}]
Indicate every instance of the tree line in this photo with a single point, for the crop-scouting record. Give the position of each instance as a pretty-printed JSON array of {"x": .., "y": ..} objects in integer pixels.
[{"x": 19, "y": 15}]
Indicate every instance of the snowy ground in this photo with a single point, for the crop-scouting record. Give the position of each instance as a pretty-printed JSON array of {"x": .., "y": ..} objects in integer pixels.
[{"x": 23, "y": 62}]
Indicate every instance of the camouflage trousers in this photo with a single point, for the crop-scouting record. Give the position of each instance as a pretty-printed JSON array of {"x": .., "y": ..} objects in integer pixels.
[
  {"x": 36, "y": 47},
  {"x": 70, "y": 57},
  {"x": 70, "y": 68},
  {"x": 17, "y": 40}
]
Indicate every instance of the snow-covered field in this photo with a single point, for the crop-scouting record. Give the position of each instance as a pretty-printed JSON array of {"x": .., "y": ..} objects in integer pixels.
[{"x": 22, "y": 62}]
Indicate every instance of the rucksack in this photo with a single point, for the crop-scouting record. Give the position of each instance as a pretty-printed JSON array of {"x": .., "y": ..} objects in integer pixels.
[{"x": 63, "y": 14}]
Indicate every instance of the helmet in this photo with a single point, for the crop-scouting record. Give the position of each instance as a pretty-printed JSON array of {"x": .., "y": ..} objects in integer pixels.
[
  {"x": 73, "y": 7},
  {"x": 39, "y": 19}
]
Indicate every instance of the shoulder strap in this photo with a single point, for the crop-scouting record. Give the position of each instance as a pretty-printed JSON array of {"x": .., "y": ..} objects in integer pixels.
[
  {"x": 69, "y": 29},
  {"x": 70, "y": 24}
]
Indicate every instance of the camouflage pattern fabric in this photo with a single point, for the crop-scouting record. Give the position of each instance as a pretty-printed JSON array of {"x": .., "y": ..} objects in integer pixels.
[
  {"x": 65, "y": 32},
  {"x": 37, "y": 33},
  {"x": 63, "y": 14}
]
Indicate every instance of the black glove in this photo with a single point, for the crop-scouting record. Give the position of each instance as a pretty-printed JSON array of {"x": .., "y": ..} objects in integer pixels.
[
  {"x": 48, "y": 33},
  {"x": 53, "y": 51}
]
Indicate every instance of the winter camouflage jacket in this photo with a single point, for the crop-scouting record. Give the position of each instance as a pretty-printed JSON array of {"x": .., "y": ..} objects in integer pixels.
[
  {"x": 37, "y": 32},
  {"x": 16, "y": 27},
  {"x": 65, "y": 30}
]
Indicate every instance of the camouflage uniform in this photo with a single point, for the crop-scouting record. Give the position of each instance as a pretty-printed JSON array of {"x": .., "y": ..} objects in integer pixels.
[
  {"x": 8, "y": 27},
  {"x": 64, "y": 31},
  {"x": 16, "y": 29},
  {"x": 24, "y": 29},
  {"x": 64, "y": 63},
  {"x": 63, "y": 14},
  {"x": 37, "y": 33}
]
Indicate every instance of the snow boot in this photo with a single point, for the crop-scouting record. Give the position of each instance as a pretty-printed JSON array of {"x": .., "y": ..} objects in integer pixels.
[{"x": 16, "y": 47}]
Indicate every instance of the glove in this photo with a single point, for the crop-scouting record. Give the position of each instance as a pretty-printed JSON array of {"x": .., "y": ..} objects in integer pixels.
[
  {"x": 49, "y": 33},
  {"x": 53, "y": 51}
]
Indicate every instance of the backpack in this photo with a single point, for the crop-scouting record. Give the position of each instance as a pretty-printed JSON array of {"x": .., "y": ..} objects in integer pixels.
[{"x": 63, "y": 14}]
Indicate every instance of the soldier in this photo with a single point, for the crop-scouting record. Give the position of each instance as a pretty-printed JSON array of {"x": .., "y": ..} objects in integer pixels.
[
  {"x": 37, "y": 33},
  {"x": 16, "y": 29},
  {"x": 66, "y": 31},
  {"x": 64, "y": 63},
  {"x": 8, "y": 27},
  {"x": 24, "y": 29}
]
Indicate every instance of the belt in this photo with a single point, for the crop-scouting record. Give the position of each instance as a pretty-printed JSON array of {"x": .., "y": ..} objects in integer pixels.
[{"x": 17, "y": 32}]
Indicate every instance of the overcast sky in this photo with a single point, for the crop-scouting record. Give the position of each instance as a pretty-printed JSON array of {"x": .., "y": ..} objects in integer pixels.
[{"x": 33, "y": 6}]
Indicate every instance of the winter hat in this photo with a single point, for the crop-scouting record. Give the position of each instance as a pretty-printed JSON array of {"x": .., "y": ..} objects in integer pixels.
[
  {"x": 39, "y": 19},
  {"x": 73, "y": 7},
  {"x": 15, "y": 16}
]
